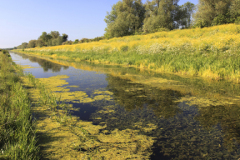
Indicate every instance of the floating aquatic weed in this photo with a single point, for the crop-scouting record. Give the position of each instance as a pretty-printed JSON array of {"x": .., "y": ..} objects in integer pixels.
[
  {"x": 207, "y": 102},
  {"x": 179, "y": 132}
]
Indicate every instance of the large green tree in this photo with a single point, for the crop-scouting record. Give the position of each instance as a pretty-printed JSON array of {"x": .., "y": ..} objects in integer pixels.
[
  {"x": 23, "y": 45},
  {"x": 45, "y": 38},
  {"x": 160, "y": 14},
  {"x": 32, "y": 43},
  {"x": 184, "y": 15},
  {"x": 234, "y": 11},
  {"x": 52, "y": 39},
  {"x": 126, "y": 18},
  {"x": 40, "y": 43},
  {"x": 55, "y": 34},
  {"x": 216, "y": 12}
]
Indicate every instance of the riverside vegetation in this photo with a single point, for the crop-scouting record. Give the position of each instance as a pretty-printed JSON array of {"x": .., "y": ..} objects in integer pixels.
[
  {"x": 22, "y": 135},
  {"x": 55, "y": 134},
  {"x": 128, "y": 132},
  {"x": 211, "y": 52},
  {"x": 17, "y": 130}
]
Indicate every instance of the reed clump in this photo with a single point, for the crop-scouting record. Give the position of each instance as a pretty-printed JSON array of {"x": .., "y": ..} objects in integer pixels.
[{"x": 208, "y": 52}]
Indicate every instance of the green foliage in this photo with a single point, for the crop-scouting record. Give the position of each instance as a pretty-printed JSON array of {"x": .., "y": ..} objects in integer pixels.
[
  {"x": 46, "y": 39},
  {"x": 39, "y": 43},
  {"x": 237, "y": 21},
  {"x": 4, "y": 51},
  {"x": 23, "y": 45},
  {"x": 130, "y": 17},
  {"x": 83, "y": 40},
  {"x": 32, "y": 43},
  {"x": 54, "y": 34},
  {"x": 67, "y": 43},
  {"x": 98, "y": 38},
  {"x": 76, "y": 41},
  {"x": 216, "y": 12},
  {"x": 124, "y": 48},
  {"x": 183, "y": 15},
  {"x": 17, "y": 132},
  {"x": 64, "y": 37},
  {"x": 220, "y": 19},
  {"x": 125, "y": 18},
  {"x": 161, "y": 14}
]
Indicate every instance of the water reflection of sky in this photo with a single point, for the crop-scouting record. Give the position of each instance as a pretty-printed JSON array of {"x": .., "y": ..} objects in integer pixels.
[
  {"x": 86, "y": 80},
  {"x": 183, "y": 131}
]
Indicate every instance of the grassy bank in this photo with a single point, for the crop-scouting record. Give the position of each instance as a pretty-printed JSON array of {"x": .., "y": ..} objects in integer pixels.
[
  {"x": 209, "y": 52},
  {"x": 17, "y": 131}
]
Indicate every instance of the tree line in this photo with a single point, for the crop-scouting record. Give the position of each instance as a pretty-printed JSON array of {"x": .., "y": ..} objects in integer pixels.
[
  {"x": 53, "y": 39},
  {"x": 129, "y": 17},
  {"x": 46, "y": 39},
  {"x": 84, "y": 40},
  {"x": 217, "y": 12}
]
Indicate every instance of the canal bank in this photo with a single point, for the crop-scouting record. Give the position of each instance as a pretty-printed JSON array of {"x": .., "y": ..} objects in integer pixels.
[{"x": 134, "y": 114}]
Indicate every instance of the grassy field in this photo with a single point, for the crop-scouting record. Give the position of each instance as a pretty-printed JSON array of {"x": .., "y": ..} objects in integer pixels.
[
  {"x": 208, "y": 52},
  {"x": 17, "y": 130}
]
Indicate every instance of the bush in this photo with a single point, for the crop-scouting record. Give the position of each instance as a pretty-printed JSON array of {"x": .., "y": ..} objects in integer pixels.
[
  {"x": 220, "y": 19},
  {"x": 124, "y": 48},
  {"x": 5, "y": 51},
  {"x": 237, "y": 21}
]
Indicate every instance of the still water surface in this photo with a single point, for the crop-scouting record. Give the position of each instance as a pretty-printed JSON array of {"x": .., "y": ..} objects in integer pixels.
[{"x": 192, "y": 118}]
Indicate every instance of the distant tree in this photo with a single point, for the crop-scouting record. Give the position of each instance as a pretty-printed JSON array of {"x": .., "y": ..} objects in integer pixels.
[
  {"x": 54, "y": 34},
  {"x": 64, "y": 37},
  {"x": 67, "y": 43},
  {"x": 45, "y": 38},
  {"x": 59, "y": 40},
  {"x": 76, "y": 41},
  {"x": 98, "y": 38},
  {"x": 83, "y": 40},
  {"x": 32, "y": 43},
  {"x": 50, "y": 42},
  {"x": 55, "y": 41},
  {"x": 125, "y": 18},
  {"x": 40, "y": 43},
  {"x": 24, "y": 45}
]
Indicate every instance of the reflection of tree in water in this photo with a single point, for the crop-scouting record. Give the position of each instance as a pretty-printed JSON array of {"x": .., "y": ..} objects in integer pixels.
[
  {"x": 228, "y": 117},
  {"x": 45, "y": 64},
  {"x": 135, "y": 95},
  {"x": 178, "y": 131}
]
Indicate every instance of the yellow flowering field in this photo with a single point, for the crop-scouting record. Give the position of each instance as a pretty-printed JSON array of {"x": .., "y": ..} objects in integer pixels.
[
  {"x": 207, "y": 52},
  {"x": 217, "y": 38}
]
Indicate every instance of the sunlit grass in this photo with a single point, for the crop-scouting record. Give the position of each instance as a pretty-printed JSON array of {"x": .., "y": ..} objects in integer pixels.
[{"x": 17, "y": 130}]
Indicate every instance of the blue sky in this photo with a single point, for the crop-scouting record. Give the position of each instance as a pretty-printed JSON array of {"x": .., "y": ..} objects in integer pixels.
[{"x": 24, "y": 20}]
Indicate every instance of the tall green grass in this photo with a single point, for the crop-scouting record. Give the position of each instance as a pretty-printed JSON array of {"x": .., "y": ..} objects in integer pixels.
[{"x": 17, "y": 129}]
